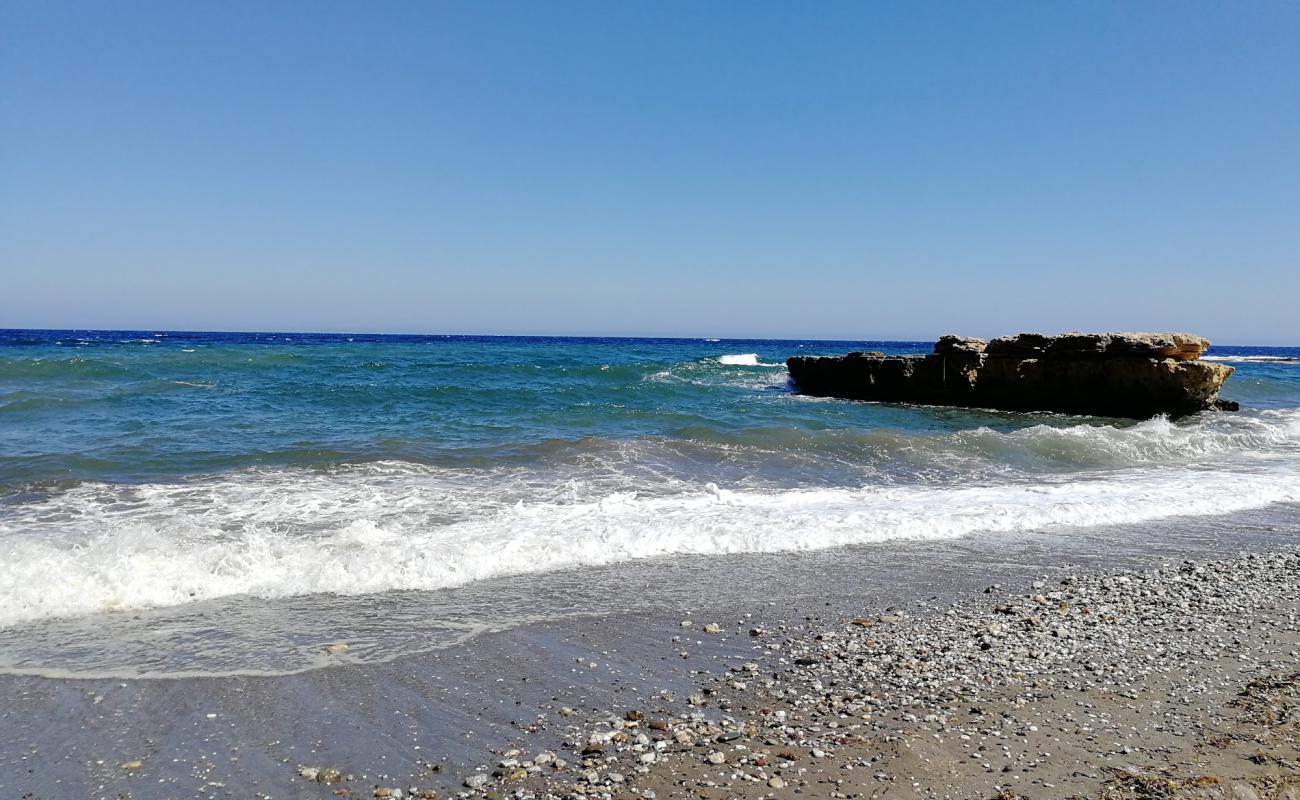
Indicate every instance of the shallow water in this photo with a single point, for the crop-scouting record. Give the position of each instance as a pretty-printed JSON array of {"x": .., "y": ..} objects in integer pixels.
[{"x": 174, "y": 503}]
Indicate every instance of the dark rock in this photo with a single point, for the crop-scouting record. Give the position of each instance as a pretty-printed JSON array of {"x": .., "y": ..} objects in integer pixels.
[
  {"x": 950, "y": 344},
  {"x": 1022, "y": 345},
  {"x": 1135, "y": 375},
  {"x": 1078, "y": 345}
]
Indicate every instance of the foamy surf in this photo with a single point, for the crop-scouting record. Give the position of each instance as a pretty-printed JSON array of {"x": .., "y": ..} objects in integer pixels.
[
  {"x": 744, "y": 360},
  {"x": 385, "y": 527}
]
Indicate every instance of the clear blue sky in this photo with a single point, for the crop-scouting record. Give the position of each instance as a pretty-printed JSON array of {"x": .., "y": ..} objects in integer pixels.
[{"x": 857, "y": 170}]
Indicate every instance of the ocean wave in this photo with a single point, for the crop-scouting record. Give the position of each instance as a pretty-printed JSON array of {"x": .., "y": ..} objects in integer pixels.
[
  {"x": 708, "y": 372},
  {"x": 1150, "y": 442},
  {"x": 395, "y": 526},
  {"x": 75, "y": 367},
  {"x": 981, "y": 452},
  {"x": 1255, "y": 359}
]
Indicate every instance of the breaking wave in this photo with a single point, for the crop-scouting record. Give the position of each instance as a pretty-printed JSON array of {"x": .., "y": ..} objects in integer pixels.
[
  {"x": 744, "y": 360},
  {"x": 372, "y": 528}
]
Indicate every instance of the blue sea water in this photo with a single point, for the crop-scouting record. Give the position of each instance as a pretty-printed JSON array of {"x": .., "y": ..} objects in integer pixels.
[{"x": 153, "y": 470}]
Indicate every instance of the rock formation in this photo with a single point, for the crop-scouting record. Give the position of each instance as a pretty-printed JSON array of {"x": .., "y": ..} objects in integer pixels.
[{"x": 1135, "y": 375}]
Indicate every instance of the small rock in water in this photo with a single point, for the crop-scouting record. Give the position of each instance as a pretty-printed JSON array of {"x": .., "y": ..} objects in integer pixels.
[
  {"x": 132, "y": 764},
  {"x": 309, "y": 773},
  {"x": 340, "y": 647},
  {"x": 713, "y": 627},
  {"x": 476, "y": 781}
]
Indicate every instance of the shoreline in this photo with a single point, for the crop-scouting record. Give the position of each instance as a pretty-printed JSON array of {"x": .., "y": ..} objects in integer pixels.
[{"x": 430, "y": 720}]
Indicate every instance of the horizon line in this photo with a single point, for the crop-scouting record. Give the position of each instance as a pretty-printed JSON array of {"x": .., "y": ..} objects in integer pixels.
[{"x": 180, "y": 331}]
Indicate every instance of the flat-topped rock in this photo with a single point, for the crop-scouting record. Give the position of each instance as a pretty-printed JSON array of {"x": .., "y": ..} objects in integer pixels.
[
  {"x": 959, "y": 344},
  {"x": 1135, "y": 375},
  {"x": 1178, "y": 346}
]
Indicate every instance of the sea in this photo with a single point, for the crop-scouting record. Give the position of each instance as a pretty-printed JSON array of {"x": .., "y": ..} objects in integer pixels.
[{"x": 203, "y": 503}]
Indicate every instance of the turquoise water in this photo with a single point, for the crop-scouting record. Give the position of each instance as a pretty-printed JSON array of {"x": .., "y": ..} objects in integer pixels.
[{"x": 147, "y": 470}]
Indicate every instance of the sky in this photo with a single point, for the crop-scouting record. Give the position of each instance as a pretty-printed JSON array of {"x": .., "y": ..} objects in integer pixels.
[{"x": 845, "y": 170}]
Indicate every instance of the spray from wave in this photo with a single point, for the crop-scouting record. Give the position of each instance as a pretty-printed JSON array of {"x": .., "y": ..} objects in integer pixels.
[{"x": 744, "y": 360}]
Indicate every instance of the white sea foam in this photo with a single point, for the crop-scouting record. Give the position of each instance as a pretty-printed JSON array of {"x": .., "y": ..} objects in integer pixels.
[
  {"x": 744, "y": 360},
  {"x": 1262, "y": 435},
  {"x": 389, "y": 526}
]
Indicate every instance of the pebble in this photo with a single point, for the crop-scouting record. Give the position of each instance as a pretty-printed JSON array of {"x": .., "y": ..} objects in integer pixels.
[{"x": 329, "y": 775}]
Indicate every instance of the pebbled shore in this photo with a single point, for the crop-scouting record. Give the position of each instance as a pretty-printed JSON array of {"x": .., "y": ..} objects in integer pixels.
[{"x": 1181, "y": 682}]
